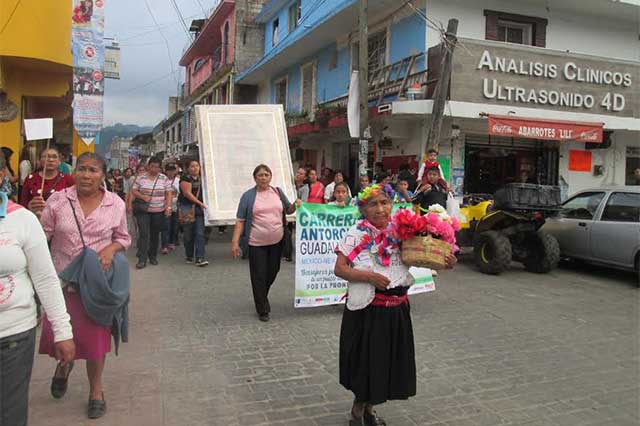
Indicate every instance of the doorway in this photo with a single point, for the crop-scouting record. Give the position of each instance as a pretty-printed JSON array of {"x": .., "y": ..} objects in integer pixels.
[{"x": 492, "y": 162}]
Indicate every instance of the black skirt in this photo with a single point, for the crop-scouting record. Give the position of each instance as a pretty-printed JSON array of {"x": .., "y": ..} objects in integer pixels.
[{"x": 377, "y": 355}]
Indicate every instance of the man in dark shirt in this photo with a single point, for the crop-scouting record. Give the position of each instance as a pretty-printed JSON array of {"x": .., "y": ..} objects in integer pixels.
[{"x": 433, "y": 192}]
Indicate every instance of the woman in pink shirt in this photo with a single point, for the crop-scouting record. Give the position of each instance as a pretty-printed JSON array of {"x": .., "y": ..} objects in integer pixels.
[
  {"x": 260, "y": 231},
  {"x": 102, "y": 218}
]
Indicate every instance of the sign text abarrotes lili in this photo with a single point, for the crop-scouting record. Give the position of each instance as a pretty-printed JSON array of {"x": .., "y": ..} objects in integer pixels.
[{"x": 569, "y": 72}]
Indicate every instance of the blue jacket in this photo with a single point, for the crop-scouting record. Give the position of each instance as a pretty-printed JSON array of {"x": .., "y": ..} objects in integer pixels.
[
  {"x": 105, "y": 295},
  {"x": 245, "y": 212}
]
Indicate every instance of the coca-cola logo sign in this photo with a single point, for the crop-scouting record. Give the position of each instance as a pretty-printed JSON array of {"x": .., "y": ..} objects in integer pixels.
[{"x": 502, "y": 128}]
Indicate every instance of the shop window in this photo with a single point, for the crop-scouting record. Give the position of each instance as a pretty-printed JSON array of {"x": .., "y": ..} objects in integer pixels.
[
  {"x": 274, "y": 31},
  {"x": 622, "y": 207},
  {"x": 513, "y": 28},
  {"x": 295, "y": 15},
  {"x": 582, "y": 206},
  {"x": 281, "y": 93}
]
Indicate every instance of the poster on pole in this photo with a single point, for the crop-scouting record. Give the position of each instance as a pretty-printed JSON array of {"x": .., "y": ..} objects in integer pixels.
[
  {"x": 87, "y": 47},
  {"x": 319, "y": 229},
  {"x": 233, "y": 140}
]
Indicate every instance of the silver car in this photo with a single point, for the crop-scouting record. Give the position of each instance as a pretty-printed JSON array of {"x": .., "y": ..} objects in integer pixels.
[{"x": 600, "y": 225}]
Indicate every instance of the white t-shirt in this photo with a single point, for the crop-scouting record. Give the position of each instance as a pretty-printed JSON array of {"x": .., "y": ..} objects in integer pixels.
[
  {"x": 362, "y": 294},
  {"x": 25, "y": 264},
  {"x": 328, "y": 191}
]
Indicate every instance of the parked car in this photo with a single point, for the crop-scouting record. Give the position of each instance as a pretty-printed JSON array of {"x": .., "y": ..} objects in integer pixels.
[{"x": 600, "y": 225}]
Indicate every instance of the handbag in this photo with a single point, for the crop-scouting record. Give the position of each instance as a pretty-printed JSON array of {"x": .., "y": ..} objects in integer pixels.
[
  {"x": 141, "y": 206},
  {"x": 188, "y": 216}
]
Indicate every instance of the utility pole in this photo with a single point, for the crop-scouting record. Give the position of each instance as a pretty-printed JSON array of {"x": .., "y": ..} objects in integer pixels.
[
  {"x": 442, "y": 86},
  {"x": 363, "y": 86}
]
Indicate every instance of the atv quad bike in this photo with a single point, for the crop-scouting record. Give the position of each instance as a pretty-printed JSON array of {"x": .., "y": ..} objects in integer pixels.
[{"x": 506, "y": 227}]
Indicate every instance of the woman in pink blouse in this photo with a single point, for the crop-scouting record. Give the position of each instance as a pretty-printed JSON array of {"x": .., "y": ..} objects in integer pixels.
[
  {"x": 260, "y": 232},
  {"x": 102, "y": 218}
]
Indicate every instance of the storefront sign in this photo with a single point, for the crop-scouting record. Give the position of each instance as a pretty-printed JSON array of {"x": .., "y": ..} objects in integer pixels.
[
  {"x": 499, "y": 73},
  {"x": 518, "y": 127},
  {"x": 319, "y": 229}
]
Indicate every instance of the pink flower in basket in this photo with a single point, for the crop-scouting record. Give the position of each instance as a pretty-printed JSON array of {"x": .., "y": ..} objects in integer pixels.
[{"x": 436, "y": 222}]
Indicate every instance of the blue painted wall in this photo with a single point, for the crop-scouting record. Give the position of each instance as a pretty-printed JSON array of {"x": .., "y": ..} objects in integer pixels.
[
  {"x": 313, "y": 13},
  {"x": 407, "y": 38},
  {"x": 283, "y": 28},
  {"x": 332, "y": 83}
]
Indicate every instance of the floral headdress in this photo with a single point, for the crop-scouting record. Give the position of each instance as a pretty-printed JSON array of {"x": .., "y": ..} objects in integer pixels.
[{"x": 373, "y": 190}]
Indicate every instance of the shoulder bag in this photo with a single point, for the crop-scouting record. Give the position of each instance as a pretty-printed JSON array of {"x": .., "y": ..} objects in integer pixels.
[
  {"x": 141, "y": 206},
  {"x": 188, "y": 216}
]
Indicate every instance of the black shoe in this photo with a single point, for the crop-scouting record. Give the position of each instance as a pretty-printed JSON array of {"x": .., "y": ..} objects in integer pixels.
[
  {"x": 264, "y": 317},
  {"x": 60, "y": 383},
  {"x": 153, "y": 261},
  {"x": 201, "y": 262},
  {"x": 372, "y": 419},
  {"x": 96, "y": 408},
  {"x": 141, "y": 265},
  {"x": 189, "y": 260}
]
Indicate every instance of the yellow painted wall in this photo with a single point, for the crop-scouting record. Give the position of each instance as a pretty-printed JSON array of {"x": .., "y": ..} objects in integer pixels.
[
  {"x": 39, "y": 29},
  {"x": 35, "y": 60}
]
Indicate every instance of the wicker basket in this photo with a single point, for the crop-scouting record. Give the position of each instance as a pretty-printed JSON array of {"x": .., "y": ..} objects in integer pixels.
[{"x": 425, "y": 252}]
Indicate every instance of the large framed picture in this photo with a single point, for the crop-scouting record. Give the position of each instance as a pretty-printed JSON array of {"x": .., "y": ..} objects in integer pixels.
[{"x": 233, "y": 140}]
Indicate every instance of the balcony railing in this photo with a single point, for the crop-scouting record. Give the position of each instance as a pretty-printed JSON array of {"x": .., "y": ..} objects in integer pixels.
[{"x": 390, "y": 81}]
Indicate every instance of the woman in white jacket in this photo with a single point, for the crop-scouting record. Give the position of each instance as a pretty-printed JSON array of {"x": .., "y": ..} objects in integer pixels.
[{"x": 25, "y": 265}]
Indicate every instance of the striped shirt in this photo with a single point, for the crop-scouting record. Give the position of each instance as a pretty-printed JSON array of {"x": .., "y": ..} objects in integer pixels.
[{"x": 145, "y": 185}]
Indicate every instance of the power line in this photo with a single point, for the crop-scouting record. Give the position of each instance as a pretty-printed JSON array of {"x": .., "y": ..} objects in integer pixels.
[
  {"x": 4, "y": 27},
  {"x": 184, "y": 24},
  {"x": 166, "y": 42},
  {"x": 148, "y": 83},
  {"x": 204, "y": 12}
]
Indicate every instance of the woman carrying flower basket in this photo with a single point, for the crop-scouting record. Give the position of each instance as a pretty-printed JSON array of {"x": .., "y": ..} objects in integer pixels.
[{"x": 377, "y": 360}]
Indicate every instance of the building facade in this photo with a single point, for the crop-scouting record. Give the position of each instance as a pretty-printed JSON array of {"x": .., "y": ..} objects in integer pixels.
[
  {"x": 119, "y": 153},
  {"x": 36, "y": 73},
  {"x": 224, "y": 44},
  {"x": 311, "y": 47}
]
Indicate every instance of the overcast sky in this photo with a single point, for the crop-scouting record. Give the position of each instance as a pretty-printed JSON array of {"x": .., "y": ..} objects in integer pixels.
[{"x": 149, "y": 72}]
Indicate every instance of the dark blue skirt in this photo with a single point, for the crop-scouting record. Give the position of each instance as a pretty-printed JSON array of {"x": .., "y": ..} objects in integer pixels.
[{"x": 377, "y": 355}]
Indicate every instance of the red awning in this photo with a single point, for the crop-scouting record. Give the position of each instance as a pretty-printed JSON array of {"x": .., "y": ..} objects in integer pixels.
[{"x": 552, "y": 130}]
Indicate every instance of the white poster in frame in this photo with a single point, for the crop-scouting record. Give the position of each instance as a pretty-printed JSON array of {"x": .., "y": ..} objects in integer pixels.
[{"x": 233, "y": 140}]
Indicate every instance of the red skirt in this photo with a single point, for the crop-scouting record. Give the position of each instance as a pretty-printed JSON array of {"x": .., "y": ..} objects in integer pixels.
[{"x": 92, "y": 341}]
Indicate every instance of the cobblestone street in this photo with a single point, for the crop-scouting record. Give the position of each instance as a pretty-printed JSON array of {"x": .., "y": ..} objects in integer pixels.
[{"x": 518, "y": 349}]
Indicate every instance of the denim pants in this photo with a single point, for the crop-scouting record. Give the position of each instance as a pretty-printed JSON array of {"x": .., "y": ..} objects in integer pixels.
[
  {"x": 194, "y": 237},
  {"x": 149, "y": 227},
  {"x": 170, "y": 230},
  {"x": 16, "y": 363}
]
